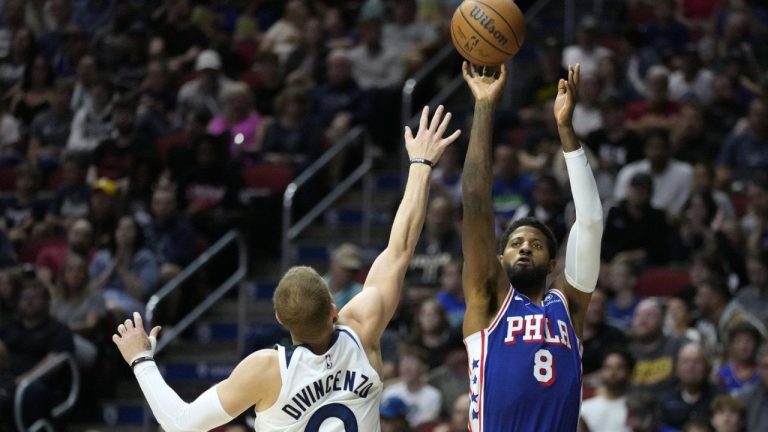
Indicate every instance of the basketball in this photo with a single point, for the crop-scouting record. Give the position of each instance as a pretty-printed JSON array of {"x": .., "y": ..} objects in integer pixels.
[{"x": 487, "y": 32}]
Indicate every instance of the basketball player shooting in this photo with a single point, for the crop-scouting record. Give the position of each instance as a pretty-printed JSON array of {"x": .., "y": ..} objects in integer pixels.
[
  {"x": 329, "y": 380},
  {"x": 523, "y": 338}
]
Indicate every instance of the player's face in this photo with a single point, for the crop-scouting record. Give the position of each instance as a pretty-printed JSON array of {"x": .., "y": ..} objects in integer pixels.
[{"x": 526, "y": 258}]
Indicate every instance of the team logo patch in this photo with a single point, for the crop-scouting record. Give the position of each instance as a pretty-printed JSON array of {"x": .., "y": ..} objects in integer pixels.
[{"x": 328, "y": 361}]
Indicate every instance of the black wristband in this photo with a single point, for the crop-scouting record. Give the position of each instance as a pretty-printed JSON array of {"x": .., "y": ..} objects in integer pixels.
[
  {"x": 426, "y": 162},
  {"x": 141, "y": 360}
]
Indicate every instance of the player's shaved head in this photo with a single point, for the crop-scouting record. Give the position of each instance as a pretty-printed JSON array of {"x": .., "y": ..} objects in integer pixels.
[{"x": 303, "y": 302}]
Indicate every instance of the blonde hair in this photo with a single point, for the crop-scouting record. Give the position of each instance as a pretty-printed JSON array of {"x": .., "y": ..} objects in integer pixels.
[{"x": 303, "y": 302}]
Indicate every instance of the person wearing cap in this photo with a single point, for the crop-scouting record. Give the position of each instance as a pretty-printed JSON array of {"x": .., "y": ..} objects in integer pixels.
[
  {"x": 344, "y": 267},
  {"x": 205, "y": 92},
  {"x": 393, "y": 412},
  {"x": 586, "y": 52}
]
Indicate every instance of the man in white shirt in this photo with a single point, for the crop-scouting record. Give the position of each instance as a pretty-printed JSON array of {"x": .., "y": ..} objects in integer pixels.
[
  {"x": 375, "y": 64},
  {"x": 691, "y": 82},
  {"x": 586, "y": 52},
  {"x": 423, "y": 400},
  {"x": 672, "y": 179},
  {"x": 607, "y": 412}
]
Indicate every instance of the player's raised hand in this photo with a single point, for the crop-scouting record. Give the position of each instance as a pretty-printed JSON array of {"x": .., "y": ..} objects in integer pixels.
[
  {"x": 486, "y": 83},
  {"x": 429, "y": 142},
  {"x": 132, "y": 340},
  {"x": 565, "y": 101}
]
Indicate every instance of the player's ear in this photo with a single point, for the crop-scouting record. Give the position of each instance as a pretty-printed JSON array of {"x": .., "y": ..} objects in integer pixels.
[
  {"x": 334, "y": 312},
  {"x": 278, "y": 320},
  {"x": 552, "y": 265}
]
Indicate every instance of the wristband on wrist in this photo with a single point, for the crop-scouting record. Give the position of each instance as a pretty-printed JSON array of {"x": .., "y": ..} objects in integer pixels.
[
  {"x": 426, "y": 162},
  {"x": 141, "y": 360}
]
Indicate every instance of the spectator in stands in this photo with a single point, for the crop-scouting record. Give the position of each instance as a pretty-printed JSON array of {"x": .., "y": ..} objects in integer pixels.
[
  {"x": 753, "y": 298},
  {"x": 510, "y": 188},
  {"x": 664, "y": 32},
  {"x": 93, "y": 122},
  {"x": 24, "y": 210},
  {"x": 691, "y": 82},
  {"x": 240, "y": 121},
  {"x": 339, "y": 103},
  {"x": 432, "y": 333},
  {"x": 407, "y": 34},
  {"x": 12, "y": 20},
  {"x": 678, "y": 321},
  {"x": 598, "y": 337},
  {"x": 623, "y": 280},
  {"x": 654, "y": 352},
  {"x": 292, "y": 138},
  {"x": 116, "y": 157},
  {"x": 393, "y": 413},
  {"x": 375, "y": 65},
  {"x": 346, "y": 262},
  {"x": 13, "y": 65},
  {"x": 450, "y": 378},
  {"x": 728, "y": 414},
  {"x": 614, "y": 143},
  {"x": 644, "y": 414},
  {"x": 613, "y": 78},
  {"x": 656, "y": 111},
  {"x": 547, "y": 206},
  {"x": 103, "y": 211},
  {"x": 704, "y": 183},
  {"x": 672, "y": 179},
  {"x": 86, "y": 75},
  {"x": 72, "y": 199},
  {"x": 692, "y": 138},
  {"x": 205, "y": 92},
  {"x": 268, "y": 82},
  {"x": 440, "y": 242},
  {"x": 724, "y": 108},
  {"x": 34, "y": 93},
  {"x": 693, "y": 394},
  {"x": 169, "y": 235},
  {"x": 33, "y": 339},
  {"x": 177, "y": 38},
  {"x": 50, "y": 129},
  {"x": 459, "y": 416},
  {"x": 77, "y": 304},
  {"x": 587, "y": 117},
  {"x": 587, "y": 52},
  {"x": 10, "y": 138},
  {"x": 283, "y": 36},
  {"x": 607, "y": 412},
  {"x": 92, "y": 15},
  {"x": 712, "y": 298},
  {"x": 755, "y": 223},
  {"x": 11, "y": 284},
  {"x": 755, "y": 396},
  {"x": 739, "y": 369},
  {"x": 446, "y": 176},
  {"x": 451, "y": 296},
  {"x": 50, "y": 259},
  {"x": 307, "y": 62},
  {"x": 423, "y": 400},
  {"x": 744, "y": 154},
  {"x": 127, "y": 272},
  {"x": 634, "y": 228}
]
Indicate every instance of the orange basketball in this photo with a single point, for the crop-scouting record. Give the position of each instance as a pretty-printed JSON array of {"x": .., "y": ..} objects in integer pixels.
[{"x": 487, "y": 32}]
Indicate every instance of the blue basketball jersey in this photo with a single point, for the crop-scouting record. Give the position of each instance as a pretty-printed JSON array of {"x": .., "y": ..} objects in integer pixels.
[{"x": 525, "y": 368}]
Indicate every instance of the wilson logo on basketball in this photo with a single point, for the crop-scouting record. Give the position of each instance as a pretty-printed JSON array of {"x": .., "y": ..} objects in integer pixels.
[{"x": 488, "y": 23}]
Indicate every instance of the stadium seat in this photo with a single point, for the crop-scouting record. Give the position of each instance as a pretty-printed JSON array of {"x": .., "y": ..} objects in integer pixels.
[
  {"x": 662, "y": 282},
  {"x": 267, "y": 179},
  {"x": 7, "y": 178}
]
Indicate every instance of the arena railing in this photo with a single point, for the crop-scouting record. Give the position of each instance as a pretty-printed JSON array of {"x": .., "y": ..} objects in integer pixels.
[
  {"x": 58, "y": 361},
  {"x": 236, "y": 279},
  {"x": 292, "y": 230}
]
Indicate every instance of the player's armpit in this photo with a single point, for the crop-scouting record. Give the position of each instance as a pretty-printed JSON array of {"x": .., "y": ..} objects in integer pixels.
[{"x": 254, "y": 381}]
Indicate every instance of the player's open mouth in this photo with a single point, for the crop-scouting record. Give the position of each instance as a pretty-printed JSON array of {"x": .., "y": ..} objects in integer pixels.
[{"x": 523, "y": 261}]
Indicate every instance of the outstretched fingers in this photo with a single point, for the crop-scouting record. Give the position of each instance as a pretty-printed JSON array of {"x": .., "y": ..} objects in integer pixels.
[
  {"x": 408, "y": 134},
  {"x": 451, "y": 138},
  {"x": 424, "y": 121},
  {"x": 436, "y": 119},
  {"x": 443, "y": 125}
]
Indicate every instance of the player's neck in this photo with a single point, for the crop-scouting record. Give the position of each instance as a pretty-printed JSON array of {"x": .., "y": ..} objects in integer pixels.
[
  {"x": 317, "y": 345},
  {"x": 534, "y": 294}
]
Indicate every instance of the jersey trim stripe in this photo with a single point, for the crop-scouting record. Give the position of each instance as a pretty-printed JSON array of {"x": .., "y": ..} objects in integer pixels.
[
  {"x": 502, "y": 310},
  {"x": 482, "y": 380},
  {"x": 565, "y": 302},
  {"x": 350, "y": 335}
]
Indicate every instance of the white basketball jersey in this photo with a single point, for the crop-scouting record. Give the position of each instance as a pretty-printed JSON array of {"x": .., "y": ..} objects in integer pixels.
[{"x": 337, "y": 391}]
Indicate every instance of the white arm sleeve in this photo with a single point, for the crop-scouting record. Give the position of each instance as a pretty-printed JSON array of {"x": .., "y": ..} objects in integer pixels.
[
  {"x": 582, "y": 255},
  {"x": 173, "y": 414}
]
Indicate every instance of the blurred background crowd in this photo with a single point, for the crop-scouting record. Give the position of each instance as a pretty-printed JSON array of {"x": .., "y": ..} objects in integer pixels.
[{"x": 131, "y": 131}]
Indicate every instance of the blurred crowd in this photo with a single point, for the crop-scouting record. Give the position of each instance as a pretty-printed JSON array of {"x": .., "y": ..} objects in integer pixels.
[{"x": 133, "y": 133}]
